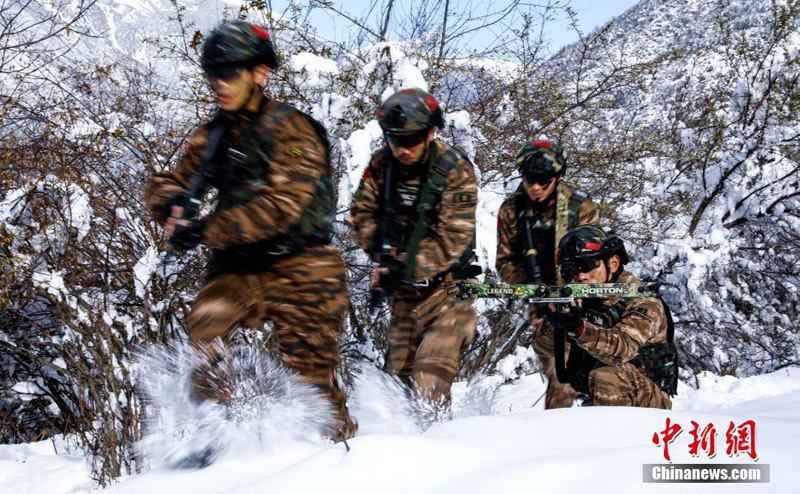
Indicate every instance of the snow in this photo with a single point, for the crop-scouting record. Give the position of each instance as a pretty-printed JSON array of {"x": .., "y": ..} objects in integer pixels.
[
  {"x": 409, "y": 74},
  {"x": 44, "y": 468},
  {"x": 12, "y": 204},
  {"x": 314, "y": 67},
  {"x": 80, "y": 211},
  {"x": 144, "y": 269},
  {"x": 358, "y": 148},
  {"x": 514, "y": 445},
  {"x": 52, "y": 282}
]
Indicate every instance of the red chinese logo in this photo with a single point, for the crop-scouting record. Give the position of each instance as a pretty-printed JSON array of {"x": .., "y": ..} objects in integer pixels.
[
  {"x": 741, "y": 439},
  {"x": 738, "y": 439},
  {"x": 704, "y": 440},
  {"x": 670, "y": 432}
]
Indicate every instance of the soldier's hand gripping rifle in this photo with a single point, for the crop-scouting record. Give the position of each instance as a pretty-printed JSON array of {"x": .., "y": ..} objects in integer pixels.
[{"x": 185, "y": 237}]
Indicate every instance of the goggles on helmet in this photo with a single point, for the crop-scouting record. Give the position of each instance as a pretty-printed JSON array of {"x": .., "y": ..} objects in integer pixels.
[
  {"x": 405, "y": 140},
  {"x": 224, "y": 72},
  {"x": 570, "y": 270},
  {"x": 539, "y": 179}
]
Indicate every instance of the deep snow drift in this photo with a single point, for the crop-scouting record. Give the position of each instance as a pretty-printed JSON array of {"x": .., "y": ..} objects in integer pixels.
[{"x": 513, "y": 445}]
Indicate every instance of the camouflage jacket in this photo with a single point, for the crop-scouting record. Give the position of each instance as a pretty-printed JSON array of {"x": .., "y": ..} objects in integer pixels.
[
  {"x": 509, "y": 262},
  {"x": 643, "y": 322},
  {"x": 279, "y": 191},
  {"x": 452, "y": 226}
]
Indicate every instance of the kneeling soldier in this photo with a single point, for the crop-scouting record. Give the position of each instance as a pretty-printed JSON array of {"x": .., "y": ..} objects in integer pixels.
[{"x": 622, "y": 352}]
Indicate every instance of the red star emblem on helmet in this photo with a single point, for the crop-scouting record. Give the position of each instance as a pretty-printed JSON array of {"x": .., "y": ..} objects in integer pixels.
[
  {"x": 431, "y": 103},
  {"x": 259, "y": 31}
]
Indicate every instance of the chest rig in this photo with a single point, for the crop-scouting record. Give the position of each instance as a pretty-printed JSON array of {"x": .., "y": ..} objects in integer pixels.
[
  {"x": 243, "y": 165},
  {"x": 412, "y": 210},
  {"x": 535, "y": 234}
]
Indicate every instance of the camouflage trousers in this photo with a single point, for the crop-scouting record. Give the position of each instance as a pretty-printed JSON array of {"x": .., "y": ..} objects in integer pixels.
[
  {"x": 624, "y": 386},
  {"x": 558, "y": 394},
  {"x": 426, "y": 336},
  {"x": 304, "y": 296}
]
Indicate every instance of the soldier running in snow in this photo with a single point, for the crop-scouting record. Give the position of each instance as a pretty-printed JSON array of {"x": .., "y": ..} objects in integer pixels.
[
  {"x": 270, "y": 239},
  {"x": 414, "y": 212},
  {"x": 622, "y": 352},
  {"x": 530, "y": 224}
]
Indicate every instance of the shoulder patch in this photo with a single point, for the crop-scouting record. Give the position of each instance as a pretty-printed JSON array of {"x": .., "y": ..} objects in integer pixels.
[
  {"x": 462, "y": 197},
  {"x": 296, "y": 152}
]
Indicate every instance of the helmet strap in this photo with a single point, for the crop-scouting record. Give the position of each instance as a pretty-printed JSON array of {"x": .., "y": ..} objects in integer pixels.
[{"x": 255, "y": 91}]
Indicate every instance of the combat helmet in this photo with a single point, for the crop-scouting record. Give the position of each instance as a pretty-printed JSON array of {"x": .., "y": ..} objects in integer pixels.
[
  {"x": 237, "y": 44},
  {"x": 541, "y": 157},
  {"x": 587, "y": 243},
  {"x": 410, "y": 111}
]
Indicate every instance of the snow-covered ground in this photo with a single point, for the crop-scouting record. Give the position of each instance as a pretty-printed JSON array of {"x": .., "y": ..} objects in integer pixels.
[{"x": 514, "y": 445}]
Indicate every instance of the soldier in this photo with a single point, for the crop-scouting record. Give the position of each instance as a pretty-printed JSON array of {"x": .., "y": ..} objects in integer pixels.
[
  {"x": 529, "y": 225},
  {"x": 414, "y": 211},
  {"x": 270, "y": 239},
  {"x": 622, "y": 353}
]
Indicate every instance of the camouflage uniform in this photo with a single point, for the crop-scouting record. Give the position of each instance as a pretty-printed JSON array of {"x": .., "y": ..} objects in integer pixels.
[
  {"x": 510, "y": 265},
  {"x": 271, "y": 257},
  {"x": 615, "y": 380},
  {"x": 429, "y": 325}
]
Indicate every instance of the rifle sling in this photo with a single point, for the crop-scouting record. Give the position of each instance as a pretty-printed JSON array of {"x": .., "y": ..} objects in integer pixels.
[
  {"x": 423, "y": 203},
  {"x": 559, "y": 343},
  {"x": 562, "y": 224},
  {"x": 387, "y": 218}
]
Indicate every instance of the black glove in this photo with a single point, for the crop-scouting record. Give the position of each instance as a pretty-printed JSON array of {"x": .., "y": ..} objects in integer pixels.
[
  {"x": 570, "y": 321},
  {"x": 394, "y": 278},
  {"x": 178, "y": 199},
  {"x": 187, "y": 237}
]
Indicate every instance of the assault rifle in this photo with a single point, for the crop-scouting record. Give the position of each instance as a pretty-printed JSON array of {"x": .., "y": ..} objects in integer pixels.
[
  {"x": 192, "y": 199},
  {"x": 530, "y": 260},
  {"x": 558, "y": 294},
  {"x": 378, "y": 294}
]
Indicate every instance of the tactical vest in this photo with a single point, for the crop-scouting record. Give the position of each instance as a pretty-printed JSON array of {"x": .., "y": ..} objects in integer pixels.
[
  {"x": 659, "y": 362},
  {"x": 403, "y": 234},
  {"x": 543, "y": 232},
  {"x": 243, "y": 164}
]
